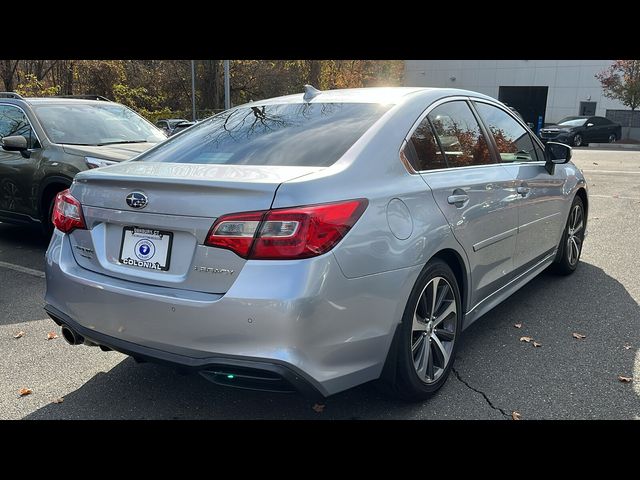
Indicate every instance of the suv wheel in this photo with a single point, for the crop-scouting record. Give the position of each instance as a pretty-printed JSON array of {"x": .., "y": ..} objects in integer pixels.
[{"x": 47, "y": 224}]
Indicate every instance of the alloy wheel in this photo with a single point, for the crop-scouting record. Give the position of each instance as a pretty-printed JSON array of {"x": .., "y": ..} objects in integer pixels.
[
  {"x": 577, "y": 140},
  {"x": 612, "y": 138},
  {"x": 434, "y": 329},
  {"x": 574, "y": 234}
]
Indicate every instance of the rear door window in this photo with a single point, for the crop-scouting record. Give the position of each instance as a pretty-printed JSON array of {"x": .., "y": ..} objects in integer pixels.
[
  {"x": 300, "y": 134},
  {"x": 423, "y": 151},
  {"x": 460, "y": 135}
]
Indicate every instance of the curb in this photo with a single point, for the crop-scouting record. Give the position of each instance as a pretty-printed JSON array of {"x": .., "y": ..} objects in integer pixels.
[{"x": 615, "y": 146}]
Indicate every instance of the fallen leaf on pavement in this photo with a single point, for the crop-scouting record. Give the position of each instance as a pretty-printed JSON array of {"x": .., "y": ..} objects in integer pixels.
[
  {"x": 20, "y": 334},
  {"x": 526, "y": 339},
  {"x": 518, "y": 325},
  {"x": 516, "y": 415},
  {"x": 626, "y": 346},
  {"x": 318, "y": 408},
  {"x": 536, "y": 344},
  {"x": 595, "y": 163},
  {"x": 57, "y": 400},
  {"x": 23, "y": 392},
  {"x": 624, "y": 379},
  {"x": 579, "y": 336},
  {"x": 51, "y": 335}
]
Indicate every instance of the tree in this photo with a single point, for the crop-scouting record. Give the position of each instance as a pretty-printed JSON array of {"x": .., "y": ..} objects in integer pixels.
[
  {"x": 8, "y": 72},
  {"x": 32, "y": 87},
  {"x": 621, "y": 81},
  {"x": 163, "y": 87}
]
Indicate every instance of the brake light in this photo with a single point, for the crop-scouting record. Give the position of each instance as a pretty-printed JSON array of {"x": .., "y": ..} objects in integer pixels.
[
  {"x": 67, "y": 213},
  {"x": 288, "y": 233},
  {"x": 235, "y": 232}
]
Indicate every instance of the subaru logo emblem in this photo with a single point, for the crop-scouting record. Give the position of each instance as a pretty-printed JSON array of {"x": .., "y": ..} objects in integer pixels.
[{"x": 137, "y": 200}]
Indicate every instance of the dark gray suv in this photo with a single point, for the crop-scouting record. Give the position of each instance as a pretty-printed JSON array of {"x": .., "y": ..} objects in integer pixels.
[{"x": 46, "y": 141}]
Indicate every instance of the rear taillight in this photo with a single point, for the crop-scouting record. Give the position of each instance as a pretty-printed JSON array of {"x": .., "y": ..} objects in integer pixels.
[
  {"x": 235, "y": 232},
  {"x": 67, "y": 213},
  {"x": 288, "y": 233}
]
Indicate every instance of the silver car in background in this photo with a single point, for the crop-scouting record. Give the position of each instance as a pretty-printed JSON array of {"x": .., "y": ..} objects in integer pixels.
[{"x": 316, "y": 242}]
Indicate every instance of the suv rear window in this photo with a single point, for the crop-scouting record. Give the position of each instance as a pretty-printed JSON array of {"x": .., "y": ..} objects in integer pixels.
[{"x": 309, "y": 134}]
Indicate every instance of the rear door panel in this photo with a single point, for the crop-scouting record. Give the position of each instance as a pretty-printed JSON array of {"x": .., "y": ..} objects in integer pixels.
[
  {"x": 485, "y": 226},
  {"x": 484, "y": 221}
]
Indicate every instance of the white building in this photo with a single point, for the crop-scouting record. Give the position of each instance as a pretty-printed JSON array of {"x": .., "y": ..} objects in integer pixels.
[{"x": 541, "y": 90}]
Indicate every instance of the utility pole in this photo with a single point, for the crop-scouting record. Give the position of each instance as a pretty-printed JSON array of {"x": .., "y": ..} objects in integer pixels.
[
  {"x": 193, "y": 89},
  {"x": 227, "y": 88}
]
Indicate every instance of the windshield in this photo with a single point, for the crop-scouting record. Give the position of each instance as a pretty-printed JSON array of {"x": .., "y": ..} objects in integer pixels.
[
  {"x": 308, "y": 134},
  {"x": 95, "y": 124},
  {"x": 572, "y": 122}
]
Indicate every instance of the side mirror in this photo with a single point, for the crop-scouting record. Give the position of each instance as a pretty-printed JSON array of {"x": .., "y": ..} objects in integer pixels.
[
  {"x": 556, "y": 153},
  {"x": 16, "y": 143}
]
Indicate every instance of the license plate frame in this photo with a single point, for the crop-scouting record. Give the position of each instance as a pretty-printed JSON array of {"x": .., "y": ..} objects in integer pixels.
[{"x": 151, "y": 235}]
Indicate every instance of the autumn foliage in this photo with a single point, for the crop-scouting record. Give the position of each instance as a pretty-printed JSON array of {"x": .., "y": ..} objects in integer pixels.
[{"x": 162, "y": 87}]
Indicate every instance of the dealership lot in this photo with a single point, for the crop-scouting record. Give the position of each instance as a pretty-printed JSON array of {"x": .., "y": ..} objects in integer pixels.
[{"x": 495, "y": 373}]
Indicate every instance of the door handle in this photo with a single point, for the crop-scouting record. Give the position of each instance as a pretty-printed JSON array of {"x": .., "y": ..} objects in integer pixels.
[
  {"x": 523, "y": 191},
  {"x": 457, "y": 199}
]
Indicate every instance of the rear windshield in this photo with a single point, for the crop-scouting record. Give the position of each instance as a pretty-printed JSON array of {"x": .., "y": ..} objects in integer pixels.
[{"x": 315, "y": 134}]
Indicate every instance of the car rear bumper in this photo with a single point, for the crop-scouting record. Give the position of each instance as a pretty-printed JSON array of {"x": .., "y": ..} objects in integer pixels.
[
  {"x": 304, "y": 317},
  {"x": 252, "y": 373}
]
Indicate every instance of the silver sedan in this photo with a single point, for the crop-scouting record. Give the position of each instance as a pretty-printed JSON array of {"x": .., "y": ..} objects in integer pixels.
[{"x": 318, "y": 241}]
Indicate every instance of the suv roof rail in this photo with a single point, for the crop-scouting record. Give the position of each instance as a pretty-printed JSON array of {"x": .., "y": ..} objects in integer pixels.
[
  {"x": 10, "y": 95},
  {"x": 84, "y": 97}
]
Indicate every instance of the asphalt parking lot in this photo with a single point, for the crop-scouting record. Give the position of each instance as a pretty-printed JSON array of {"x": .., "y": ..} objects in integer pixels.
[{"x": 495, "y": 373}]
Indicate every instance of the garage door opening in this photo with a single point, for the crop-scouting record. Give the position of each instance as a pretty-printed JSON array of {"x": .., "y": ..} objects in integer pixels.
[{"x": 531, "y": 102}]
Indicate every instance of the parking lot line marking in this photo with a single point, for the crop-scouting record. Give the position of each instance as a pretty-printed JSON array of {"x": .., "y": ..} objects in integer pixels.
[
  {"x": 20, "y": 268},
  {"x": 625, "y": 172},
  {"x": 616, "y": 196}
]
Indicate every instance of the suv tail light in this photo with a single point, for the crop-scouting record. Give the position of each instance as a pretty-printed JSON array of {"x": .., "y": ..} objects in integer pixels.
[
  {"x": 67, "y": 213},
  {"x": 287, "y": 233}
]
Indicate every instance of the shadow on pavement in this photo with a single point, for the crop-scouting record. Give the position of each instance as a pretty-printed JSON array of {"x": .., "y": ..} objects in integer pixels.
[
  {"x": 565, "y": 378},
  {"x": 21, "y": 236}
]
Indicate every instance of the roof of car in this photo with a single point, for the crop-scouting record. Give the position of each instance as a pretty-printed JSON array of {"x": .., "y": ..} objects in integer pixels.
[
  {"x": 58, "y": 100},
  {"x": 365, "y": 95}
]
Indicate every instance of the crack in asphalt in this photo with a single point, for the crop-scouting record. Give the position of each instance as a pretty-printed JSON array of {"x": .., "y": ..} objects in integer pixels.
[{"x": 508, "y": 415}]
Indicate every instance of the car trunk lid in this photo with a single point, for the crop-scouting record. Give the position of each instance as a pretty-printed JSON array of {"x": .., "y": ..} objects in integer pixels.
[{"x": 162, "y": 243}]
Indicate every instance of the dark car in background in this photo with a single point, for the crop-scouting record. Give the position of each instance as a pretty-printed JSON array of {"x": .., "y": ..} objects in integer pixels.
[
  {"x": 168, "y": 125},
  {"x": 180, "y": 127},
  {"x": 580, "y": 130},
  {"x": 46, "y": 141}
]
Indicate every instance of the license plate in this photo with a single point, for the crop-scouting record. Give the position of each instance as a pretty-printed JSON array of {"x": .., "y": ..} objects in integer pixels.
[{"x": 146, "y": 248}]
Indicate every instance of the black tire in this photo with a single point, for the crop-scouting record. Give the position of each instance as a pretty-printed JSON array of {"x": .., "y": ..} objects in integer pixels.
[
  {"x": 406, "y": 383},
  {"x": 47, "y": 224},
  {"x": 578, "y": 140},
  {"x": 566, "y": 260}
]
